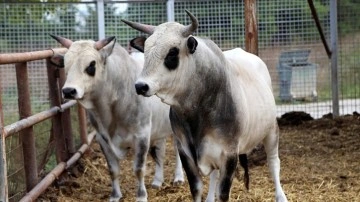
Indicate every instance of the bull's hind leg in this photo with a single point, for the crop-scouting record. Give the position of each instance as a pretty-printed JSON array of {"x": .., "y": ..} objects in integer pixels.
[
  {"x": 157, "y": 152},
  {"x": 114, "y": 168},
  {"x": 271, "y": 144},
  {"x": 227, "y": 173},
  {"x": 179, "y": 174},
  {"x": 141, "y": 150}
]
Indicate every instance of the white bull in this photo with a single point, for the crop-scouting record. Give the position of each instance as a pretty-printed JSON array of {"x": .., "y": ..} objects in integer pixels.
[
  {"x": 101, "y": 77},
  {"x": 221, "y": 103}
]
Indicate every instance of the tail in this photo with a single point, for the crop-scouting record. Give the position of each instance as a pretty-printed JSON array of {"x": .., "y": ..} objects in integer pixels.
[{"x": 244, "y": 163}]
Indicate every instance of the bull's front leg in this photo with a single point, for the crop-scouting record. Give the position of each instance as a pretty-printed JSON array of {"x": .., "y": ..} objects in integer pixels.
[
  {"x": 227, "y": 172},
  {"x": 141, "y": 150},
  {"x": 192, "y": 174},
  {"x": 179, "y": 174},
  {"x": 114, "y": 168}
]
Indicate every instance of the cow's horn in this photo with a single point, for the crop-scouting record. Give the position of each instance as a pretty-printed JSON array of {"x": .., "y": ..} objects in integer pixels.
[
  {"x": 149, "y": 29},
  {"x": 63, "y": 41},
  {"x": 103, "y": 42},
  {"x": 192, "y": 27}
]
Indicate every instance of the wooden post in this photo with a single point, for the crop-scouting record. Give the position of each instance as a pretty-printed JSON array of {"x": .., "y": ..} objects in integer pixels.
[
  {"x": 3, "y": 172},
  {"x": 82, "y": 124},
  {"x": 55, "y": 100},
  {"x": 251, "y": 34},
  {"x": 66, "y": 118},
  {"x": 26, "y": 135}
]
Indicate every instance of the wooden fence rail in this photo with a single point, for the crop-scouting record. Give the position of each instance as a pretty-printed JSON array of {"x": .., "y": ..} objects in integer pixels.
[{"x": 61, "y": 125}]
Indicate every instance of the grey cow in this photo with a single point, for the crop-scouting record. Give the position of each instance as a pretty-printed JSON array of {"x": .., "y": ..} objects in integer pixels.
[
  {"x": 222, "y": 103},
  {"x": 101, "y": 77}
]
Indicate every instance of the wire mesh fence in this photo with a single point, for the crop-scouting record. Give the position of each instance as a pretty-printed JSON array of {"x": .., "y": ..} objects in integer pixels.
[{"x": 289, "y": 43}]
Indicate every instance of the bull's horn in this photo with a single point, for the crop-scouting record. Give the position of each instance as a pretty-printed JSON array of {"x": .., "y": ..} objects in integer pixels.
[
  {"x": 63, "y": 41},
  {"x": 149, "y": 29},
  {"x": 103, "y": 42},
  {"x": 192, "y": 27}
]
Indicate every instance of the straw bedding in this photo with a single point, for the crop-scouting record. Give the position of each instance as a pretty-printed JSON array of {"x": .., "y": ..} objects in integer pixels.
[{"x": 319, "y": 162}]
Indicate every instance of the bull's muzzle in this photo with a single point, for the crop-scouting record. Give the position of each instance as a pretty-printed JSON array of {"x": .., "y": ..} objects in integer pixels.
[
  {"x": 141, "y": 88},
  {"x": 69, "y": 93}
]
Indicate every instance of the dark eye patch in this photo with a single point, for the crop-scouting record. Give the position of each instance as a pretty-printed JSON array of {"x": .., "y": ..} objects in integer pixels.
[
  {"x": 172, "y": 59},
  {"x": 90, "y": 70}
]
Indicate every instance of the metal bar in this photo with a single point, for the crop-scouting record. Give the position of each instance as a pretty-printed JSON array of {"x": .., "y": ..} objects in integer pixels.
[
  {"x": 334, "y": 58},
  {"x": 55, "y": 100},
  {"x": 82, "y": 124},
  {"x": 318, "y": 26},
  {"x": 66, "y": 119},
  {"x": 27, "y": 135},
  {"x": 251, "y": 33},
  {"x": 10, "y": 58},
  {"x": 170, "y": 11},
  {"x": 3, "y": 171},
  {"x": 56, "y": 172},
  {"x": 101, "y": 19},
  {"x": 36, "y": 118}
]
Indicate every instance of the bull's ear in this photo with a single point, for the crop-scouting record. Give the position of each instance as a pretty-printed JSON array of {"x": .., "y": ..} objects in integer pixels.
[
  {"x": 108, "y": 49},
  {"x": 192, "y": 44},
  {"x": 138, "y": 43},
  {"x": 57, "y": 60}
]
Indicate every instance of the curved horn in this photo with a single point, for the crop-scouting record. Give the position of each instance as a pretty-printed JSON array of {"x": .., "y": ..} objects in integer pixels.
[
  {"x": 103, "y": 42},
  {"x": 149, "y": 29},
  {"x": 63, "y": 41},
  {"x": 192, "y": 27}
]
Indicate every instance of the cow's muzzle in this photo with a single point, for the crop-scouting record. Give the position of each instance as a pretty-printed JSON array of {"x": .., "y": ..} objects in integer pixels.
[
  {"x": 141, "y": 88},
  {"x": 69, "y": 93}
]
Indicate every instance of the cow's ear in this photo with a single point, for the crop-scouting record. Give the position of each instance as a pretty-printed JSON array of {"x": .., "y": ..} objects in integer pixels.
[
  {"x": 192, "y": 44},
  {"x": 108, "y": 49},
  {"x": 57, "y": 60},
  {"x": 138, "y": 43}
]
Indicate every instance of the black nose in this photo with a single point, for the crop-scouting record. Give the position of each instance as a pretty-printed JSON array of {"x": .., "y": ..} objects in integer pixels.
[
  {"x": 141, "y": 88},
  {"x": 69, "y": 93}
]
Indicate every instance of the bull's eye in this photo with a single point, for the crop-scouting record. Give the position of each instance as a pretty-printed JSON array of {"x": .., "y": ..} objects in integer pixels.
[
  {"x": 172, "y": 59},
  {"x": 90, "y": 70}
]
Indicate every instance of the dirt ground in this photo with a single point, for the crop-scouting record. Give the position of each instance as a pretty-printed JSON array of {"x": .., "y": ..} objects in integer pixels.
[{"x": 319, "y": 162}]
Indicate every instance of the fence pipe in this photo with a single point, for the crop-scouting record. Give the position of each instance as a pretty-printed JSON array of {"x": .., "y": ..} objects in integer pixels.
[
  {"x": 36, "y": 118},
  {"x": 251, "y": 32},
  {"x": 3, "y": 171},
  {"x": 334, "y": 57},
  {"x": 101, "y": 19},
  {"x": 66, "y": 119},
  {"x": 27, "y": 135},
  {"x": 56, "y": 172},
  {"x": 55, "y": 100},
  {"x": 10, "y": 58},
  {"x": 170, "y": 11}
]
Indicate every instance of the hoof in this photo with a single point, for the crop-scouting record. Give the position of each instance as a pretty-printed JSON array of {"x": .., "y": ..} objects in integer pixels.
[
  {"x": 155, "y": 186},
  {"x": 178, "y": 183},
  {"x": 117, "y": 199},
  {"x": 141, "y": 199}
]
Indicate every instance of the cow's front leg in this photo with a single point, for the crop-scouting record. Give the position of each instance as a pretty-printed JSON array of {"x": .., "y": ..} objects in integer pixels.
[
  {"x": 141, "y": 150},
  {"x": 157, "y": 151},
  {"x": 227, "y": 172},
  {"x": 193, "y": 176},
  {"x": 114, "y": 168},
  {"x": 179, "y": 174}
]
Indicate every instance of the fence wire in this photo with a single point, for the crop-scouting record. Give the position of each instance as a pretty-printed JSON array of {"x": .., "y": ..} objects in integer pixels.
[{"x": 289, "y": 43}]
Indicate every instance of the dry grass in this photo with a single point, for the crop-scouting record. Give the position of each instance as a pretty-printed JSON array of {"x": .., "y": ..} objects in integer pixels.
[{"x": 320, "y": 162}]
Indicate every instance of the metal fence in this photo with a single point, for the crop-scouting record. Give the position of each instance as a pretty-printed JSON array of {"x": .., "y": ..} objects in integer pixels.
[{"x": 289, "y": 43}]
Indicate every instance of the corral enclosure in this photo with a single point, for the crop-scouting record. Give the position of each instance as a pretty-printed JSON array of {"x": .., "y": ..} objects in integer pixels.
[{"x": 283, "y": 26}]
